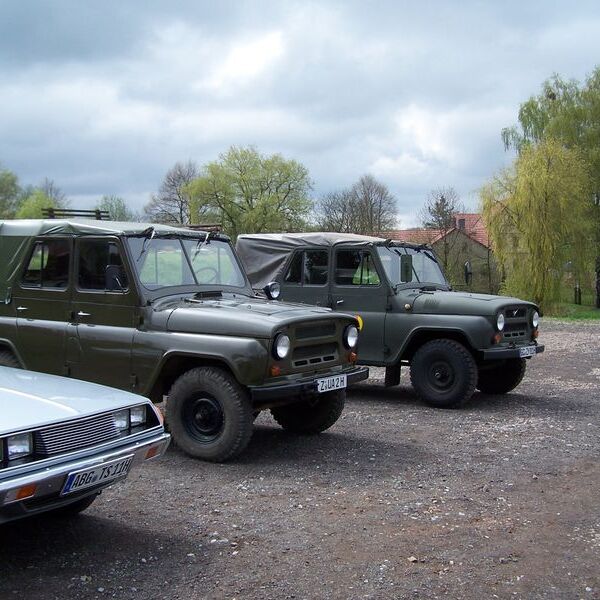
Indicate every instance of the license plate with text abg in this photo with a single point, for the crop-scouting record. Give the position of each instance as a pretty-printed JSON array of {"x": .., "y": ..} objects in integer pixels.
[{"x": 85, "y": 478}]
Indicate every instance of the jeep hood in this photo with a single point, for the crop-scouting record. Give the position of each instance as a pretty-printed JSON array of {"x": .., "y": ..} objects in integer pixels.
[
  {"x": 463, "y": 303},
  {"x": 243, "y": 317}
]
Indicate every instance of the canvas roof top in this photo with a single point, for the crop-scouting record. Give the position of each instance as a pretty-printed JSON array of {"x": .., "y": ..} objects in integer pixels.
[
  {"x": 34, "y": 227},
  {"x": 264, "y": 254}
]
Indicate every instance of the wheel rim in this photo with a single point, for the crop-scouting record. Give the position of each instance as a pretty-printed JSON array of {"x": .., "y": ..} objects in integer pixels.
[
  {"x": 204, "y": 418},
  {"x": 441, "y": 376}
]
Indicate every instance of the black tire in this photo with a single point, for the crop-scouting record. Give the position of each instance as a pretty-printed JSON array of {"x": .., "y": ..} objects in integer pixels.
[
  {"x": 8, "y": 359},
  {"x": 70, "y": 510},
  {"x": 502, "y": 378},
  {"x": 309, "y": 418},
  {"x": 443, "y": 373},
  {"x": 210, "y": 415}
]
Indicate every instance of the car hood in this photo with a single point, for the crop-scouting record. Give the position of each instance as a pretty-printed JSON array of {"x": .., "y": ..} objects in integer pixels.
[
  {"x": 244, "y": 317},
  {"x": 463, "y": 303},
  {"x": 29, "y": 399}
]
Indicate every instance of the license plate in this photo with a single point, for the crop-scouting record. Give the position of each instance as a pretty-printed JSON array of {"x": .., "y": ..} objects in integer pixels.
[
  {"x": 527, "y": 351},
  {"x": 79, "y": 480},
  {"x": 328, "y": 384}
]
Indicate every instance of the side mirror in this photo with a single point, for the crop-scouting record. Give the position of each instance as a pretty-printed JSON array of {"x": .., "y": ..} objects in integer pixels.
[
  {"x": 406, "y": 268},
  {"x": 468, "y": 273},
  {"x": 116, "y": 280},
  {"x": 272, "y": 290}
]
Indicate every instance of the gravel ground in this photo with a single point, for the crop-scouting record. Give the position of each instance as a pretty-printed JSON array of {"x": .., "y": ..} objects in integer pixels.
[{"x": 397, "y": 500}]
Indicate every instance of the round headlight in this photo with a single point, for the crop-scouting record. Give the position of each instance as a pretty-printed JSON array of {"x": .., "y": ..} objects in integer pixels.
[
  {"x": 351, "y": 336},
  {"x": 535, "y": 318},
  {"x": 500, "y": 322},
  {"x": 281, "y": 348}
]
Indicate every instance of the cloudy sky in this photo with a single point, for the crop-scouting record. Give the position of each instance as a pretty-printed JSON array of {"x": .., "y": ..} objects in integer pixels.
[{"x": 104, "y": 97}]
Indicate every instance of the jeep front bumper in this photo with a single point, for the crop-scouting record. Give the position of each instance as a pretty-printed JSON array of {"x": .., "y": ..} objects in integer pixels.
[
  {"x": 306, "y": 387},
  {"x": 514, "y": 352}
]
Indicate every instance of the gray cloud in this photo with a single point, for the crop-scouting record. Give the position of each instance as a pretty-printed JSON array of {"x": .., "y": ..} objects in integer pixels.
[{"x": 104, "y": 98}]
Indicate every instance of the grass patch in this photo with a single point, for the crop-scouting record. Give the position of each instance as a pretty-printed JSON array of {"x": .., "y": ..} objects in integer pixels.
[{"x": 575, "y": 312}]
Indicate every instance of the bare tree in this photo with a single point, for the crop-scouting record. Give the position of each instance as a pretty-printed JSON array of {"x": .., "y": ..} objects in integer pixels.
[
  {"x": 439, "y": 212},
  {"x": 172, "y": 203},
  {"x": 54, "y": 193},
  {"x": 367, "y": 207}
]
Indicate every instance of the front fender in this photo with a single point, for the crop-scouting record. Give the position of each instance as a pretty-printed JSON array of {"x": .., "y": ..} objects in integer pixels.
[
  {"x": 246, "y": 358},
  {"x": 475, "y": 331}
]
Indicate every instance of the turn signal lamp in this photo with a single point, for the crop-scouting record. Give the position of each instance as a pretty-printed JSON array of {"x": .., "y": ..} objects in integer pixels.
[
  {"x": 275, "y": 371},
  {"x": 352, "y": 357},
  {"x": 497, "y": 338}
]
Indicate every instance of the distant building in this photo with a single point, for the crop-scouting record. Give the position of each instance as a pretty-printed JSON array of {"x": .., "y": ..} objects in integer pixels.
[{"x": 466, "y": 240}]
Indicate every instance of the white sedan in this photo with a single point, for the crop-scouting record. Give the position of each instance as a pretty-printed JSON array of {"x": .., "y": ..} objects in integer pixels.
[{"x": 62, "y": 441}]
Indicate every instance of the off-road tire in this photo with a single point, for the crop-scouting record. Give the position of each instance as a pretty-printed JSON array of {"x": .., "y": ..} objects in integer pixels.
[
  {"x": 210, "y": 415},
  {"x": 311, "y": 418},
  {"x": 70, "y": 510},
  {"x": 8, "y": 359},
  {"x": 502, "y": 378},
  {"x": 443, "y": 373}
]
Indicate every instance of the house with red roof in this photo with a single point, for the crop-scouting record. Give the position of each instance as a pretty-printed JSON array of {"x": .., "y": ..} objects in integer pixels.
[{"x": 466, "y": 240}]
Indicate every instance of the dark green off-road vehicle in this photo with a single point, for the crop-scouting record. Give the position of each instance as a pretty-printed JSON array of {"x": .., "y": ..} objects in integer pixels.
[
  {"x": 166, "y": 311},
  {"x": 454, "y": 342}
]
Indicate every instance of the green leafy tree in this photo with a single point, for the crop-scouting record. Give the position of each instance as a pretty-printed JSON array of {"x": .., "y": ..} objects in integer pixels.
[
  {"x": 9, "y": 193},
  {"x": 32, "y": 206},
  {"x": 568, "y": 112},
  {"x": 117, "y": 208},
  {"x": 251, "y": 193},
  {"x": 538, "y": 217}
]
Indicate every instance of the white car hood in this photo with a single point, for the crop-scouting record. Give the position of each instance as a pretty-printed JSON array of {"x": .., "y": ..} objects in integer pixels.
[{"x": 29, "y": 400}]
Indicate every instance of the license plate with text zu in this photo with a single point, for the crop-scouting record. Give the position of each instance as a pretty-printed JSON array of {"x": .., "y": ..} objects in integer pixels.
[
  {"x": 328, "y": 384},
  {"x": 79, "y": 480},
  {"x": 527, "y": 351}
]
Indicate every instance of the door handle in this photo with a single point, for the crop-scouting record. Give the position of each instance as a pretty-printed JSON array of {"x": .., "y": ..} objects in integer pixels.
[
  {"x": 338, "y": 302},
  {"x": 22, "y": 308},
  {"x": 83, "y": 314}
]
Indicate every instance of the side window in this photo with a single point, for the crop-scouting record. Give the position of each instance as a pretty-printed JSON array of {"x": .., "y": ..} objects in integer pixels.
[
  {"x": 48, "y": 266},
  {"x": 355, "y": 267},
  {"x": 101, "y": 267},
  {"x": 308, "y": 267}
]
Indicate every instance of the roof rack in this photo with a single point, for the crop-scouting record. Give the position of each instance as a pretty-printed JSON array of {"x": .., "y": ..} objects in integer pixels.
[
  {"x": 215, "y": 227},
  {"x": 65, "y": 213}
]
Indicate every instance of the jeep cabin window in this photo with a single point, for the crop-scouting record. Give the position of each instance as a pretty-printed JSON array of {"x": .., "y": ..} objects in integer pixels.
[
  {"x": 355, "y": 267},
  {"x": 308, "y": 267},
  {"x": 48, "y": 266},
  {"x": 101, "y": 267}
]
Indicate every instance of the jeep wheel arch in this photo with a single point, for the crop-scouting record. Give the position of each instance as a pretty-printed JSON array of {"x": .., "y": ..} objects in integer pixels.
[{"x": 419, "y": 337}]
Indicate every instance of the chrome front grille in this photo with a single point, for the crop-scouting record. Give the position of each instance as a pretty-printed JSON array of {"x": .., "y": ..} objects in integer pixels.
[{"x": 75, "y": 435}]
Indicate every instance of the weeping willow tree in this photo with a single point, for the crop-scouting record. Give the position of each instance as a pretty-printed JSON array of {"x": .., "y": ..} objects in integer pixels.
[{"x": 539, "y": 217}]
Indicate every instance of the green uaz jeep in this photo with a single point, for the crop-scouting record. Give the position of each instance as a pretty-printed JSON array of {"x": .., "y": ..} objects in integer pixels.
[
  {"x": 454, "y": 342},
  {"x": 167, "y": 311}
]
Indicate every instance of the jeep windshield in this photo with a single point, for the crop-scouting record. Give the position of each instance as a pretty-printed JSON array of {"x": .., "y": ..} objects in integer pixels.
[
  {"x": 424, "y": 270},
  {"x": 173, "y": 262}
]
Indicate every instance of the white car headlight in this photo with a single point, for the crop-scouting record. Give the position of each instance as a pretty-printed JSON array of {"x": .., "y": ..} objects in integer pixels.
[
  {"x": 500, "y": 322},
  {"x": 281, "y": 348},
  {"x": 122, "y": 419},
  {"x": 535, "y": 319},
  {"x": 137, "y": 415},
  {"x": 18, "y": 446},
  {"x": 351, "y": 336}
]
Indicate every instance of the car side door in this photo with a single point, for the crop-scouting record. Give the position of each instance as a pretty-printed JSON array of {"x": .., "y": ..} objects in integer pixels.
[
  {"x": 103, "y": 314},
  {"x": 360, "y": 289},
  {"x": 306, "y": 277},
  {"x": 41, "y": 298}
]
